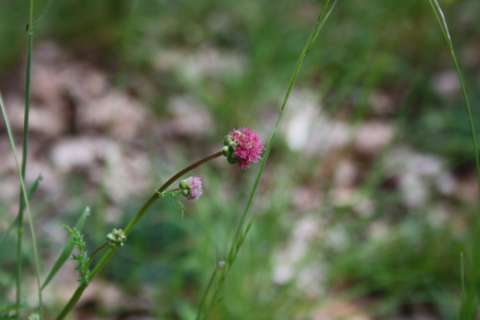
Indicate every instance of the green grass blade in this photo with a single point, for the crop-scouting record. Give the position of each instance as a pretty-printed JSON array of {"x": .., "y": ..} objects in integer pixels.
[
  {"x": 23, "y": 168},
  {"x": 67, "y": 249},
  {"x": 12, "y": 225},
  {"x": 34, "y": 187},
  {"x": 24, "y": 194},
  {"x": 468, "y": 309},
  {"x": 212, "y": 291},
  {"x": 442, "y": 21},
  {"x": 469, "y": 299}
]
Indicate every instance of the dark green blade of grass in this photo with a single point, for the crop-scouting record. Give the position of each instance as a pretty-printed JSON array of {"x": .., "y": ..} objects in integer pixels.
[
  {"x": 67, "y": 249},
  {"x": 23, "y": 169},
  {"x": 442, "y": 21},
  {"x": 215, "y": 284},
  {"x": 468, "y": 308}
]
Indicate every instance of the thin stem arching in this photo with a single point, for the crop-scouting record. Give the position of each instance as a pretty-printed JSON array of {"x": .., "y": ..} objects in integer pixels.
[{"x": 110, "y": 251}]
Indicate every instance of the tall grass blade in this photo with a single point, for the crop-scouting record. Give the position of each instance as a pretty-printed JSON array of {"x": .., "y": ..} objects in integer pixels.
[
  {"x": 469, "y": 295},
  {"x": 24, "y": 194},
  {"x": 28, "y": 78},
  {"x": 442, "y": 21},
  {"x": 218, "y": 277},
  {"x": 462, "y": 273},
  {"x": 469, "y": 298},
  {"x": 67, "y": 249},
  {"x": 468, "y": 306}
]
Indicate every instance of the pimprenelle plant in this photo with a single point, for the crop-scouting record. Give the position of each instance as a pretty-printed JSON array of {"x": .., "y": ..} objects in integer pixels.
[{"x": 241, "y": 146}]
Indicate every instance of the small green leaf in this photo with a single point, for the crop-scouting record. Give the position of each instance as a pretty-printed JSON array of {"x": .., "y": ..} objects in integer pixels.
[
  {"x": 81, "y": 257},
  {"x": 67, "y": 250}
]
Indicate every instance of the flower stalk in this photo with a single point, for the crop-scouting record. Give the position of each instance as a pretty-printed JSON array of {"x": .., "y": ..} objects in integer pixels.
[{"x": 109, "y": 251}]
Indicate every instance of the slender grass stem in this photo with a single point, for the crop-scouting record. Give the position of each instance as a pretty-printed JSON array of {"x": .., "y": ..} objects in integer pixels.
[
  {"x": 110, "y": 251},
  {"x": 206, "y": 292},
  {"x": 243, "y": 227},
  {"x": 442, "y": 21},
  {"x": 469, "y": 298},
  {"x": 26, "y": 118},
  {"x": 26, "y": 202}
]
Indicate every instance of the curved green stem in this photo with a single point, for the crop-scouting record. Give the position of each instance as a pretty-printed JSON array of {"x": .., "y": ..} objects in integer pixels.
[{"x": 108, "y": 254}]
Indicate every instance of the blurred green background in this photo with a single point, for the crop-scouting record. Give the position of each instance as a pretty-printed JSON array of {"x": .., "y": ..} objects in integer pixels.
[{"x": 369, "y": 201}]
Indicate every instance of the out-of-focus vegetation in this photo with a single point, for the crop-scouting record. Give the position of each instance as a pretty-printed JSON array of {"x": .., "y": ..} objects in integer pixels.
[{"x": 343, "y": 229}]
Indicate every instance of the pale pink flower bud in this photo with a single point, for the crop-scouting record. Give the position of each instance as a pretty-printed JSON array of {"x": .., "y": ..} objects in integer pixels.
[{"x": 192, "y": 187}]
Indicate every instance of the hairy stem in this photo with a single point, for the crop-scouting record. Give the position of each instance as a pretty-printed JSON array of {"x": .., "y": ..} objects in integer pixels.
[{"x": 108, "y": 254}]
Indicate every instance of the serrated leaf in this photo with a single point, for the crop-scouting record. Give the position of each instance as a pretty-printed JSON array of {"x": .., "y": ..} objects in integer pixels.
[{"x": 67, "y": 250}]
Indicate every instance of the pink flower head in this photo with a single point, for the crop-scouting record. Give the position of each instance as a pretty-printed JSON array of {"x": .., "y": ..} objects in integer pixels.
[
  {"x": 192, "y": 187},
  {"x": 243, "y": 146}
]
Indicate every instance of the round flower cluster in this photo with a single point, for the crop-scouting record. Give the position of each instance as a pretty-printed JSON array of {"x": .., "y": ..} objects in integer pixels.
[
  {"x": 116, "y": 238},
  {"x": 243, "y": 146}
]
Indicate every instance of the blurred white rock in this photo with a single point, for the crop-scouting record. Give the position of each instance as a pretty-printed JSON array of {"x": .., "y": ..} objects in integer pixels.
[
  {"x": 307, "y": 198},
  {"x": 336, "y": 237},
  {"x": 287, "y": 260},
  {"x": 346, "y": 173},
  {"x": 206, "y": 62},
  {"x": 418, "y": 175},
  {"x": 307, "y": 128},
  {"x": 378, "y": 230},
  {"x": 372, "y": 137},
  {"x": 381, "y": 102},
  {"x": 122, "y": 173},
  {"x": 304, "y": 110},
  {"x": 352, "y": 197},
  {"x": 46, "y": 121},
  {"x": 127, "y": 174},
  {"x": 339, "y": 308},
  {"x": 438, "y": 215},
  {"x": 446, "y": 83},
  {"x": 69, "y": 95},
  {"x": 114, "y": 112},
  {"x": 311, "y": 279},
  {"x": 81, "y": 152},
  {"x": 188, "y": 118}
]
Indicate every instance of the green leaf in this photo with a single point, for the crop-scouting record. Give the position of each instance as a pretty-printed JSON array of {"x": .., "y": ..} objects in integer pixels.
[
  {"x": 81, "y": 257},
  {"x": 67, "y": 250}
]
